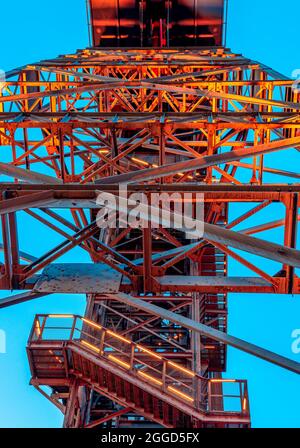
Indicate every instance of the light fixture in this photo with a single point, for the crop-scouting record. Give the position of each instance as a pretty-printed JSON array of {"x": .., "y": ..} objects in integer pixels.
[
  {"x": 91, "y": 323},
  {"x": 117, "y": 336},
  {"x": 119, "y": 361},
  {"x": 91, "y": 346},
  {"x": 150, "y": 377},
  {"x": 181, "y": 394}
]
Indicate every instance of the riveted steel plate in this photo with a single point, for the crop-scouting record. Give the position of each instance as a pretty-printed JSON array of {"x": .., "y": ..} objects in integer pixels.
[{"x": 78, "y": 278}]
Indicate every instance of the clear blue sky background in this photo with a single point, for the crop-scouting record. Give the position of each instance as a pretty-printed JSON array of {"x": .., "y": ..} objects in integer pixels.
[{"x": 265, "y": 30}]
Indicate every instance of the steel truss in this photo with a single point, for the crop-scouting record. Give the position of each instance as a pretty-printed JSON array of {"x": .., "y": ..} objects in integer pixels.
[{"x": 202, "y": 120}]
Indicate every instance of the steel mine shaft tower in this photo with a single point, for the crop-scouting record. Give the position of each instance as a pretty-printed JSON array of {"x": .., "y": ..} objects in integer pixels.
[{"x": 160, "y": 105}]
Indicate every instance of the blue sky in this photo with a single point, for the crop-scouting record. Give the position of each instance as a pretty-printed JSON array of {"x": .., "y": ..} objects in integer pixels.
[{"x": 261, "y": 29}]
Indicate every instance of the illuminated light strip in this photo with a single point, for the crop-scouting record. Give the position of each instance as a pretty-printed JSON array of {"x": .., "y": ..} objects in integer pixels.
[
  {"x": 221, "y": 380},
  {"x": 244, "y": 404},
  {"x": 182, "y": 174},
  {"x": 143, "y": 349},
  {"x": 61, "y": 316},
  {"x": 56, "y": 357},
  {"x": 113, "y": 36},
  {"x": 89, "y": 322},
  {"x": 150, "y": 378},
  {"x": 142, "y": 162},
  {"x": 182, "y": 369},
  {"x": 119, "y": 361},
  {"x": 38, "y": 328},
  {"x": 115, "y": 335},
  {"x": 181, "y": 394},
  {"x": 209, "y": 347},
  {"x": 91, "y": 346}
]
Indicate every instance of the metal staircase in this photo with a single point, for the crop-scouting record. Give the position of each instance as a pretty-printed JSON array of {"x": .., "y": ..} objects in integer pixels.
[{"x": 66, "y": 348}]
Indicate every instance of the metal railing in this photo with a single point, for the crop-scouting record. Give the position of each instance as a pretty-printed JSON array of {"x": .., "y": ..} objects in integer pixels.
[{"x": 207, "y": 395}]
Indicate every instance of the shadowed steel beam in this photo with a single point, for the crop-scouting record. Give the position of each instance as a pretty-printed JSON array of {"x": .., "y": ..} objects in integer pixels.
[
  {"x": 168, "y": 253},
  {"x": 252, "y": 245},
  {"x": 40, "y": 199},
  {"x": 211, "y": 189},
  {"x": 109, "y": 417},
  {"x": 267, "y": 169},
  {"x": 20, "y": 298},
  {"x": 23, "y": 255},
  {"x": 266, "y": 226},
  {"x": 210, "y": 332},
  {"x": 56, "y": 403},
  {"x": 28, "y": 176},
  {"x": 201, "y": 162}
]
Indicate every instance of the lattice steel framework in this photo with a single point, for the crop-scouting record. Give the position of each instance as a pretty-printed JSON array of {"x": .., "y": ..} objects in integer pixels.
[{"x": 197, "y": 120}]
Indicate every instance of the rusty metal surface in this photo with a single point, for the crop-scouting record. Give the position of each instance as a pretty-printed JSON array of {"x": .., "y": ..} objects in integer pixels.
[
  {"x": 78, "y": 278},
  {"x": 223, "y": 282}
]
